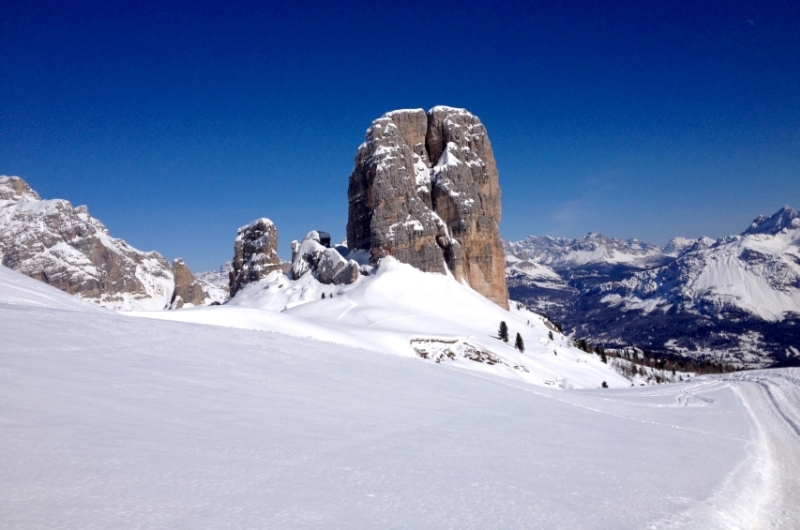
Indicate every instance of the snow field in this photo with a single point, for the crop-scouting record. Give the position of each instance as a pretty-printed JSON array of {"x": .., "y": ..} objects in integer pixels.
[
  {"x": 398, "y": 304},
  {"x": 116, "y": 422}
]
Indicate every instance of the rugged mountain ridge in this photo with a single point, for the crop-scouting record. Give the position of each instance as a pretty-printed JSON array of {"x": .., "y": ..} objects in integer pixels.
[
  {"x": 736, "y": 298},
  {"x": 425, "y": 190},
  {"x": 64, "y": 246},
  {"x": 592, "y": 248}
]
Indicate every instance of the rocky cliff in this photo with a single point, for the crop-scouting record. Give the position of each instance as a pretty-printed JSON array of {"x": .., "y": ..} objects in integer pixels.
[
  {"x": 69, "y": 249},
  {"x": 188, "y": 290},
  {"x": 255, "y": 253},
  {"x": 425, "y": 190}
]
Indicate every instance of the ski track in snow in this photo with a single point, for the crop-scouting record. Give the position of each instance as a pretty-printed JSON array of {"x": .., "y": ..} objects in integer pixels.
[
  {"x": 353, "y": 305},
  {"x": 763, "y": 491},
  {"x": 774, "y": 403},
  {"x": 108, "y": 421}
]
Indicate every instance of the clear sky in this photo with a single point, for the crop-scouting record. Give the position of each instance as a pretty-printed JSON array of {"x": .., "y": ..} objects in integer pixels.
[{"x": 177, "y": 122}]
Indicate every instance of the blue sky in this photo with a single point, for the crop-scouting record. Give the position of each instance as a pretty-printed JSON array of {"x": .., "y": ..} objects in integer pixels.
[{"x": 177, "y": 122}]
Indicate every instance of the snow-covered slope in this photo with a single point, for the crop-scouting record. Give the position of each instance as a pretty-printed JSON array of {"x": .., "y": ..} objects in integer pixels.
[
  {"x": 737, "y": 297},
  {"x": 16, "y": 289},
  {"x": 218, "y": 278},
  {"x": 756, "y": 273},
  {"x": 404, "y": 311},
  {"x": 116, "y": 422}
]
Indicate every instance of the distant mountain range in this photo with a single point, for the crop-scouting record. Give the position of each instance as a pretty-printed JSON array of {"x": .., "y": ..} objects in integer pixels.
[{"x": 735, "y": 299}]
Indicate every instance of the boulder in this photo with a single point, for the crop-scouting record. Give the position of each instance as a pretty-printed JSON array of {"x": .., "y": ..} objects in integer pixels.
[
  {"x": 327, "y": 264},
  {"x": 306, "y": 254},
  {"x": 333, "y": 268}
]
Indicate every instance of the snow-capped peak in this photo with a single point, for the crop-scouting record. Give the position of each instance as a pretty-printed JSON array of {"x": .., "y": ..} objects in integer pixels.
[
  {"x": 591, "y": 248},
  {"x": 785, "y": 218},
  {"x": 15, "y": 189}
]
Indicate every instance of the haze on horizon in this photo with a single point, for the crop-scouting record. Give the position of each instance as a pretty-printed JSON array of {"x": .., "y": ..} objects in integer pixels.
[{"x": 177, "y": 124}]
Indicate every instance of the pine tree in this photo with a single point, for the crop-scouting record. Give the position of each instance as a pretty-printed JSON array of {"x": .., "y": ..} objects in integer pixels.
[
  {"x": 503, "y": 332},
  {"x": 519, "y": 344}
]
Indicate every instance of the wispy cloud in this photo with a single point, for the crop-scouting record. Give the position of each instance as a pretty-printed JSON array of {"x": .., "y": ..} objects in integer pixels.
[{"x": 571, "y": 217}]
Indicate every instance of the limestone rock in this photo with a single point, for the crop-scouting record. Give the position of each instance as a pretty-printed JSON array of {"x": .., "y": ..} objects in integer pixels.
[
  {"x": 333, "y": 268},
  {"x": 387, "y": 213},
  {"x": 425, "y": 190},
  {"x": 63, "y": 246},
  {"x": 188, "y": 290},
  {"x": 306, "y": 254},
  {"x": 255, "y": 253},
  {"x": 327, "y": 264}
]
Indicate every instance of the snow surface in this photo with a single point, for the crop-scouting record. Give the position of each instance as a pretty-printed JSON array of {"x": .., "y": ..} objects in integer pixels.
[
  {"x": 448, "y": 158},
  {"x": 117, "y": 422},
  {"x": 400, "y": 304}
]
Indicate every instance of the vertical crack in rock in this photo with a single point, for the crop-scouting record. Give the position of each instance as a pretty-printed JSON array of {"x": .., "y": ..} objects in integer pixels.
[{"x": 425, "y": 190}]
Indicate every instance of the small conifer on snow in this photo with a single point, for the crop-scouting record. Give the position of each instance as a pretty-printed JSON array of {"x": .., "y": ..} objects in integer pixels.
[
  {"x": 503, "y": 332},
  {"x": 519, "y": 344}
]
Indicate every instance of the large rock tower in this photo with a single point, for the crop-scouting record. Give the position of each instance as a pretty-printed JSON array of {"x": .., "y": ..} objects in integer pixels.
[{"x": 425, "y": 190}]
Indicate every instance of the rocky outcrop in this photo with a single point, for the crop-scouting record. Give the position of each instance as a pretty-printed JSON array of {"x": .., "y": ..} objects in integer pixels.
[
  {"x": 255, "y": 254},
  {"x": 425, "y": 190},
  {"x": 69, "y": 249},
  {"x": 188, "y": 290},
  {"x": 327, "y": 264}
]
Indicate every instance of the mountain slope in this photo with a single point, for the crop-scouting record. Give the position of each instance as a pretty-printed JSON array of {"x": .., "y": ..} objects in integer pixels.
[
  {"x": 67, "y": 248},
  {"x": 736, "y": 298}
]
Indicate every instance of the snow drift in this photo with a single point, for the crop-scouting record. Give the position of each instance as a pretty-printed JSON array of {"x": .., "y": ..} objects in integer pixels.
[{"x": 397, "y": 305}]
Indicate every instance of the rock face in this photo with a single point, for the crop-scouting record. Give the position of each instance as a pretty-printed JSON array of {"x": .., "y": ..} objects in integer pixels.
[
  {"x": 425, "y": 190},
  {"x": 187, "y": 289},
  {"x": 328, "y": 266},
  {"x": 69, "y": 249},
  {"x": 255, "y": 254}
]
